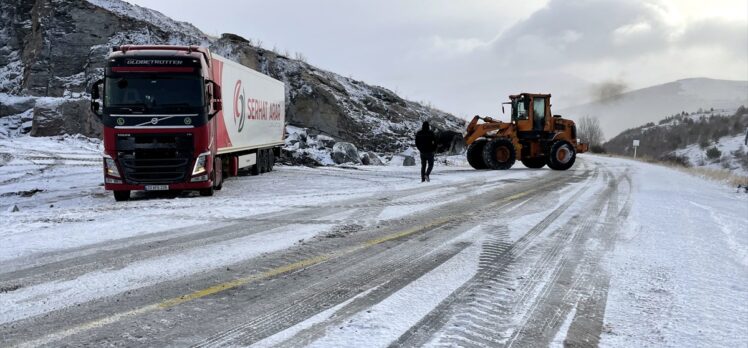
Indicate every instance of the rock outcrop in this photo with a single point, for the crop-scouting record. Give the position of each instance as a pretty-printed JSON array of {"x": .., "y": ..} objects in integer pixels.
[{"x": 343, "y": 152}]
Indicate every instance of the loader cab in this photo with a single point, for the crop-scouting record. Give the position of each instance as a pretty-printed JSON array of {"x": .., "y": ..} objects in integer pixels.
[{"x": 531, "y": 113}]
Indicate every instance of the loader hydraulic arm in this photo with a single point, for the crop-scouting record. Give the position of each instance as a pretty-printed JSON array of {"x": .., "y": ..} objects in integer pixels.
[{"x": 475, "y": 130}]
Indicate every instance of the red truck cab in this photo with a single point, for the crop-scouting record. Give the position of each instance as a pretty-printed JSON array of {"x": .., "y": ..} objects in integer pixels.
[{"x": 158, "y": 107}]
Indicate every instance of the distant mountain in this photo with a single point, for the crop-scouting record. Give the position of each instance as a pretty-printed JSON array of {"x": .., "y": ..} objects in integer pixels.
[
  {"x": 51, "y": 52},
  {"x": 707, "y": 138},
  {"x": 634, "y": 108}
]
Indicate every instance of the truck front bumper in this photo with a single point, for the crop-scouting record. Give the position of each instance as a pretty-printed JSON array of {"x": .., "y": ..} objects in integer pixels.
[{"x": 176, "y": 186}]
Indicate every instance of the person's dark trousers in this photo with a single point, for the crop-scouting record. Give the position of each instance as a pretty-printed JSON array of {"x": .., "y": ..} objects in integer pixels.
[{"x": 426, "y": 158}]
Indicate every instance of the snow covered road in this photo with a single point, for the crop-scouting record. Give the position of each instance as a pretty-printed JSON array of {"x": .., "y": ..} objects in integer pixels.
[{"x": 610, "y": 253}]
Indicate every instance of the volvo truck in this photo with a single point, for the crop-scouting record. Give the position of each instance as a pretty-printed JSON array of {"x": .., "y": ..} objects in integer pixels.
[{"x": 182, "y": 118}]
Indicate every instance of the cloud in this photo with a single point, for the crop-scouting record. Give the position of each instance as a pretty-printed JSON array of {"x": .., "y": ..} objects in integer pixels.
[
  {"x": 582, "y": 50},
  {"x": 582, "y": 30},
  {"x": 467, "y": 56}
]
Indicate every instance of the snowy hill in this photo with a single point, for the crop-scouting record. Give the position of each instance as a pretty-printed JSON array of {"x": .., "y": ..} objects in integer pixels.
[
  {"x": 58, "y": 61},
  {"x": 641, "y": 106},
  {"x": 732, "y": 154},
  {"x": 711, "y": 138}
]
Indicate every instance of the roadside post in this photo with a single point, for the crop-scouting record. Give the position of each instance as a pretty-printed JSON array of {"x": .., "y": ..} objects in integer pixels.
[{"x": 636, "y": 145}]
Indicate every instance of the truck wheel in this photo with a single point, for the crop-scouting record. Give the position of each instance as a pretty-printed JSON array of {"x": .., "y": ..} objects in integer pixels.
[
  {"x": 121, "y": 196},
  {"x": 271, "y": 160},
  {"x": 499, "y": 154},
  {"x": 475, "y": 154},
  {"x": 267, "y": 161},
  {"x": 263, "y": 161},
  {"x": 534, "y": 163},
  {"x": 258, "y": 162},
  {"x": 207, "y": 192},
  {"x": 562, "y": 155},
  {"x": 218, "y": 173}
]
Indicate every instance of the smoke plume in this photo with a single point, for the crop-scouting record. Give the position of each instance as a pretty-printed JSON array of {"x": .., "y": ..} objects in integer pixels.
[{"x": 608, "y": 90}]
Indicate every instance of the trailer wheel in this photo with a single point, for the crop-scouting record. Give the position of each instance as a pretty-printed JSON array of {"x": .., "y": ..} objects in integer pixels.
[
  {"x": 562, "y": 155},
  {"x": 263, "y": 161},
  {"x": 475, "y": 154},
  {"x": 267, "y": 160},
  {"x": 534, "y": 163},
  {"x": 121, "y": 196},
  {"x": 499, "y": 154},
  {"x": 271, "y": 160},
  {"x": 258, "y": 162}
]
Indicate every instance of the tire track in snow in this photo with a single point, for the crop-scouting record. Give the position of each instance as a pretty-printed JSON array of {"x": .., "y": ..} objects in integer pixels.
[
  {"x": 576, "y": 281},
  {"x": 496, "y": 260},
  {"x": 550, "y": 179},
  {"x": 243, "y": 335}
]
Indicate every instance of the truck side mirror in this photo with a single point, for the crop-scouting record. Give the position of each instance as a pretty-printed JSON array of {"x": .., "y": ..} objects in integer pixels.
[
  {"x": 215, "y": 102},
  {"x": 217, "y": 106},
  {"x": 95, "y": 95},
  {"x": 216, "y": 90},
  {"x": 95, "y": 90}
]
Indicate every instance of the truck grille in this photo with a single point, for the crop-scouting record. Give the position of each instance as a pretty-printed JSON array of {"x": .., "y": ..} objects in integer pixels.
[{"x": 155, "y": 158}]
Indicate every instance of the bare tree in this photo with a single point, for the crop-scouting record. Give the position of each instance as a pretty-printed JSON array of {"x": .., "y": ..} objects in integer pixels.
[{"x": 590, "y": 132}]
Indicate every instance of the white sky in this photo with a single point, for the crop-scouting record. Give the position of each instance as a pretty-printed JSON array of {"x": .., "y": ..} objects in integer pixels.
[{"x": 466, "y": 56}]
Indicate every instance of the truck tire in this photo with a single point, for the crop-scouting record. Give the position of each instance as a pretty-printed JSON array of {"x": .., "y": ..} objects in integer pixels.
[
  {"x": 561, "y": 156},
  {"x": 207, "y": 192},
  {"x": 271, "y": 160},
  {"x": 534, "y": 163},
  {"x": 499, "y": 154},
  {"x": 256, "y": 167},
  {"x": 475, "y": 154},
  {"x": 218, "y": 173},
  {"x": 121, "y": 196},
  {"x": 263, "y": 161}
]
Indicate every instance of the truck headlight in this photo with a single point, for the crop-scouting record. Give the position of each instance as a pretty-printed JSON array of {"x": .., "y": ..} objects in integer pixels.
[
  {"x": 200, "y": 164},
  {"x": 111, "y": 167}
]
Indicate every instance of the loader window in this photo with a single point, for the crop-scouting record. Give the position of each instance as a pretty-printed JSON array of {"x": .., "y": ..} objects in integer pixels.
[
  {"x": 538, "y": 111},
  {"x": 519, "y": 109}
]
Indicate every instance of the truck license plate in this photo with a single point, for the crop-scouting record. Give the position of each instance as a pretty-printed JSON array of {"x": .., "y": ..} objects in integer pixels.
[{"x": 156, "y": 187}]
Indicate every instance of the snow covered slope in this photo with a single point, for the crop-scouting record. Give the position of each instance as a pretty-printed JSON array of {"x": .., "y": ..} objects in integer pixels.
[
  {"x": 712, "y": 138},
  {"x": 83, "y": 32},
  {"x": 649, "y": 104},
  {"x": 732, "y": 154}
]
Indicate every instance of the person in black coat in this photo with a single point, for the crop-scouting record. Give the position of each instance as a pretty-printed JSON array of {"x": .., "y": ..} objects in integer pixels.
[{"x": 426, "y": 144}]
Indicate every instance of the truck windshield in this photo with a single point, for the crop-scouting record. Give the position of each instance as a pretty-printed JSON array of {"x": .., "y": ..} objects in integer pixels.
[{"x": 154, "y": 92}]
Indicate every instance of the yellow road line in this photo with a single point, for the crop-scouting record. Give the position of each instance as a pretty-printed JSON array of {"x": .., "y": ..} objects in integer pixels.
[{"x": 245, "y": 280}]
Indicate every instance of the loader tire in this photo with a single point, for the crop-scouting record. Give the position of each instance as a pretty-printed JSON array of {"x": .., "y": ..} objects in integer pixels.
[
  {"x": 499, "y": 154},
  {"x": 475, "y": 154},
  {"x": 534, "y": 163},
  {"x": 561, "y": 156}
]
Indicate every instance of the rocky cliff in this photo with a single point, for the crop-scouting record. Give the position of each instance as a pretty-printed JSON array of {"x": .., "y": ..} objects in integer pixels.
[{"x": 53, "y": 50}]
